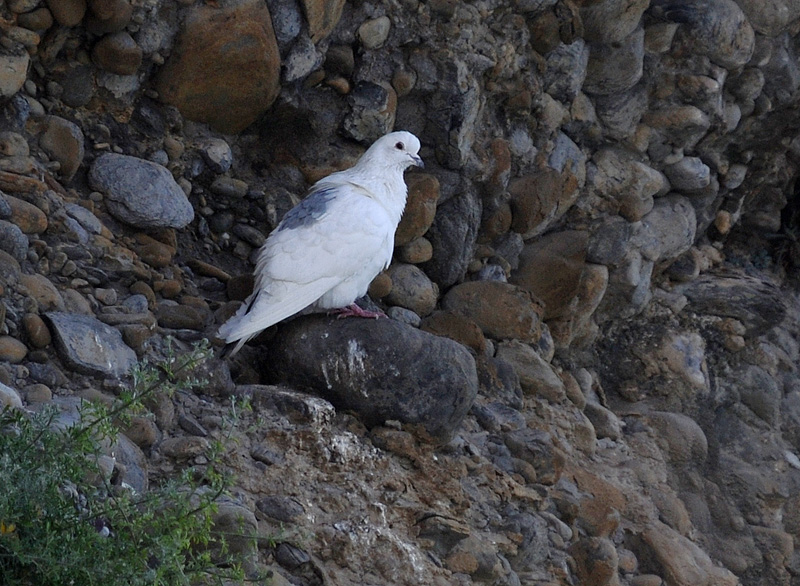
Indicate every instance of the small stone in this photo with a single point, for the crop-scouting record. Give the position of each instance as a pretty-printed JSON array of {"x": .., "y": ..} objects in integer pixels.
[
  {"x": 63, "y": 141},
  {"x": 9, "y": 397},
  {"x": 536, "y": 376},
  {"x": 423, "y": 194},
  {"x": 29, "y": 218},
  {"x": 230, "y": 187},
  {"x": 12, "y": 350},
  {"x": 688, "y": 174},
  {"x": 412, "y": 289},
  {"x": 142, "y": 431},
  {"x": 281, "y": 508},
  {"x": 403, "y": 315},
  {"x": 381, "y": 286},
  {"x": 36, "y": 330},
  {"x": 40, "y": 288},
  {"x": 37, "y": 394},
  {"x": 13, "y": 241},
  {"x": 373, "y": 107},
  {"x": 217, "y": 154},
  {"x": 117, "y": 53},
  {"x": 417, "y": 251},
  {"x": 181, "y": 448},
  {"x": 140, "y": 193},
  {"x": 89, "y": 346},
  {"x": 512, "y": 313},
  {"x": 13, "y": 70},
  {"x": 40, "y": 19},
  {"x": 154, "y": 252},
  {"x": 179, "y": 317},
  {"x": 373, "y": 33},
  {"x": 108, "y": 16},
  {"x": 456, "y": 327},
  {"x": 67, "y": 12}
]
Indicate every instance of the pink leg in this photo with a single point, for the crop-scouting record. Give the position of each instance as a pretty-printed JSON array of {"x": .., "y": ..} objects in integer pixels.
[{"x": 354, "y": 310}]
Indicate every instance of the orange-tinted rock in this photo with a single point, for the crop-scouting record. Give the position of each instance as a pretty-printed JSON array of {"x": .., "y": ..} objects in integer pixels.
[
  {"x": 118, "y": 53},
  {"x": 423, "y": 193},
  {"x": 12, "y": 350},
  {"x": 322, "y": 16},
  {"x": 539, "y": 199},
  {"x": 67, "y": 12},
  {"x": 37, "y": 331},
  {"x": 501, "y": 310},
  {"x": 108, "y": 16},
  {"x": 551, "y": 269},
  {"x": 456, "y": 327},
  {"x": 225, "y": 67},
  {"x": 43, "y": 291},
  {"x": 27, "y": 217}
]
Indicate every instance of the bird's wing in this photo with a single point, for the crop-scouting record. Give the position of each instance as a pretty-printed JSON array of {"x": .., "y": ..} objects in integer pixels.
[
  {"x": 308, "y": 254},
  {"x": 337, "y": 243}
]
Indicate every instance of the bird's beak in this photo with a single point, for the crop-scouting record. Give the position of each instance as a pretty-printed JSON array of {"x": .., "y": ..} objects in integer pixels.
[{"x": 418, "y": 161}]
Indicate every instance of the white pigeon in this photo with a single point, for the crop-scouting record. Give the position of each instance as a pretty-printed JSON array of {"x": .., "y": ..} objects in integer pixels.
[{"x": 327, "y": 249}]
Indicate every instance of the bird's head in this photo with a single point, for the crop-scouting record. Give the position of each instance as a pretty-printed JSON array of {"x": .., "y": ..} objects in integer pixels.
[{"x": 397, "y": 148}]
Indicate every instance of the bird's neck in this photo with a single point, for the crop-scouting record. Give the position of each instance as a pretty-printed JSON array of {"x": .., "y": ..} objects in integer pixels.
[{"x": 392, "y": 185}]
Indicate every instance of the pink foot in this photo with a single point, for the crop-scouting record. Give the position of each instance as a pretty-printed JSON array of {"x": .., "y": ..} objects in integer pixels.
[{"x": 354, "y": 310}]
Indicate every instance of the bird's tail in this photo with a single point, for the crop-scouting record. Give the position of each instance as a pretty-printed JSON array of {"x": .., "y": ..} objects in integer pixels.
[{"x": 263, "y": 309}]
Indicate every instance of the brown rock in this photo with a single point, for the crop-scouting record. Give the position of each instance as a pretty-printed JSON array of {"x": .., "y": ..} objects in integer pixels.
[
  {"x": 225, "y": 67},
  {"x": 322, "y": 17},
  {"x": 456, "y": 327},
  {"x": 536, "y": 376},
  {"x": 44, "y": 292},
  {"x": 37, "y": 393},
  {"x": 37, "y": 20},
  {"x": 117, "y": 53},
  {"x": 63, "y": 141},
  {"x": 240, "y": 287},
  {"x": 157, "y": 254},
  {"x": 208, "y": 270},
  {"x": 179, "y": 317},
  {"x": 682, "y": 561},
  {"x": 169, "y": 288},
  {"x": 135, "y": 336},
  {"x": 67, "y": 12},
  {"x": 108, "y": 16},
  {"x": 412, "y": 289},
  {"x": 184, "y": 447},
  {"x": 551, "y": 269},
  {"x": 417, "y": 251},
  {"x": 597, "y": 561},
  {"x": 37, "y": 331},
  {"x": 12, "y": 350},
  {"x": 501, "y": 310},
  {"x": 495, "y": 222},
  {"x": 381, "y": 286},
  {"x": 538, "y": 200},
  {"x": 142, "y": 288},
  {"x": 29, "y": 218},
  {"x": 423, "y": 193},
  {"x": 142, "y": 431},
  {"x": 599, "y": 511}
]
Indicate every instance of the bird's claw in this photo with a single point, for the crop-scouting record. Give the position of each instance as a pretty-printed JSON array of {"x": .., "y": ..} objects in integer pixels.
[{"x": 354, "y": 310}]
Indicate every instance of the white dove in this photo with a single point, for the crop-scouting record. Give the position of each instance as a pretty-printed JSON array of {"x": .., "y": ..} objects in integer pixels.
[{"x": 327, "y": 249}]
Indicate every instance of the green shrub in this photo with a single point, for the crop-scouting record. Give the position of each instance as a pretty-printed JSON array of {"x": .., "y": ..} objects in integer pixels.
[{"x": 63, "y": 521}]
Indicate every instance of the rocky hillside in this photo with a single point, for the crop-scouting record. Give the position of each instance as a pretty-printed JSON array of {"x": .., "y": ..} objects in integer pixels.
[{"x": 590, "y": 371}]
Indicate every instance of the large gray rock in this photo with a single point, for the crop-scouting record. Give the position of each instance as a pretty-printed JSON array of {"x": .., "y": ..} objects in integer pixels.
[
  {"x": 758, "y": 304},
  {"x": 89, "y": 346},
  {"x": 140, "y": 193},
  {"x": 453, "y": 236},
  {"x": 381, "y": 369}
]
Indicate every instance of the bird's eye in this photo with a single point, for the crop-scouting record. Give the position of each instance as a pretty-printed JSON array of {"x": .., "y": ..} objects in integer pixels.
[{"x": 399, "y": 146}]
